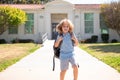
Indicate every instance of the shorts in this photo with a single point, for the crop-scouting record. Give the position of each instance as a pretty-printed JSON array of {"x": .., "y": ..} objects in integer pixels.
[{"x": 64, "y": 63}]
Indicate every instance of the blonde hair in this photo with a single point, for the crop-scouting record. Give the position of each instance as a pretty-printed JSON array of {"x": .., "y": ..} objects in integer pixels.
[{"x": 70, "y": 25}]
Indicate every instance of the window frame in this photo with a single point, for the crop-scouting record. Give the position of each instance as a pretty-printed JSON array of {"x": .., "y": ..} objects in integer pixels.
[
  {"x": 13, "y": 29},
  {"x": 30, "y": 21},
  {"x": 89, "y": 29}
]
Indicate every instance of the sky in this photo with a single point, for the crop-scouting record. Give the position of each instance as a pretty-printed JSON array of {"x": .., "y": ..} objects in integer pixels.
[{"x": 90, "y": 1}]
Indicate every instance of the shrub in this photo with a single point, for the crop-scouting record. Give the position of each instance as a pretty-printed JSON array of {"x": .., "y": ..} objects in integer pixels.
[
  {"x": 22, "y": 41},
  {"x": 26, "y": 41},
  {"x": 114, "y": 41},
  {"x": 2, "y": 41},
  {"x": 105, "y": 38},
  {"x": 82, "y": 41},
  {"x": 88, "y": 40},
  {"x": 94, "y": 38}
]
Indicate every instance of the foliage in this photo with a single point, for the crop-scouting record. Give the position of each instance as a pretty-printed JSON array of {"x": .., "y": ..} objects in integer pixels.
[
  {"x": 114, "y": 41},
  {"x": 108, "y": 53},
  {"x": 94, "y": 38},
  {"x": 111, "y": 14},
  {"x": 10, "y": 16},
  {"x": 2, "y": 41},
  {"x": 105, "y": 38},
  {"x": 15, "y": 52},
  {"x": 22, "y": 41},
  {"x": 24, "y": 1}
]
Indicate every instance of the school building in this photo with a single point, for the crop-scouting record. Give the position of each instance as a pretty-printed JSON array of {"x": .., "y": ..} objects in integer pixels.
[{"x": 42, "y": 19}]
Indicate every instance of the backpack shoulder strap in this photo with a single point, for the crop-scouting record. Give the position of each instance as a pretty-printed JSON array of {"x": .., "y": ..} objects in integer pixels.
[
  {"x": 56, "y": 39},
  {"x": 58, "y": 34},
  {"x": 61, "y": 41},
  {"x": 71, "y": 34}
]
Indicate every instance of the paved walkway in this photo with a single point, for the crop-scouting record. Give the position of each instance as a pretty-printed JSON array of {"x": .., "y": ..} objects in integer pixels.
[{"x": 38, "y": 66}]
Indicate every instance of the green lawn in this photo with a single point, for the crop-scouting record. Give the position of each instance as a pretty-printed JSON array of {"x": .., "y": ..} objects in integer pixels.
[
  {"x": 109, "y": 53},
  {"x": 11, "y": 53}
]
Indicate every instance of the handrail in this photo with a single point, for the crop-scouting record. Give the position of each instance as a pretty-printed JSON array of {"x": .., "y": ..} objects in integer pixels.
[{"x": 44, "y": 37}]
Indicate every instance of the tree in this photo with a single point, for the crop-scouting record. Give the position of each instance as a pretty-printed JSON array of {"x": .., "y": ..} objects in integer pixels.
[
  {"x": 111, "y": 15},
  {"x": 24, "y": 1},
  {"x": 10, "y": 16}
]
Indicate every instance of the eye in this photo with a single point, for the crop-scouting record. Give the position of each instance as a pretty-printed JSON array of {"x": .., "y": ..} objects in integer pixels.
[{"x": 65, "y": 26}]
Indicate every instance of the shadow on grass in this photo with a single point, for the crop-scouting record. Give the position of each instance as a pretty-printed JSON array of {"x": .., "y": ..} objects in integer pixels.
[{"x": 107, "y": 48}]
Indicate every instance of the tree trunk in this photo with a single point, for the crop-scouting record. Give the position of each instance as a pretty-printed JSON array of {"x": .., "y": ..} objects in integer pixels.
[{"x": 3, "y": 29}]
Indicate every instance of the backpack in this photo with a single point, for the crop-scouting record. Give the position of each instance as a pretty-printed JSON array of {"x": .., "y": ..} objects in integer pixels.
[{"x": 57, "y": 50}]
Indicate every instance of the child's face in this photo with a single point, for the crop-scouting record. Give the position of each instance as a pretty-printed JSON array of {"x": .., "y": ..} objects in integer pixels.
[{"x": 65, "y": 27}]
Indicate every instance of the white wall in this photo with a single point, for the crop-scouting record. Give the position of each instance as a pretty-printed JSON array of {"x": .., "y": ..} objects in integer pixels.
[
  {"x": 79, "y": 24},
  {"x": 42, "y": 22},
  {"x": 57, "y": 7},
  {"x": 113, "y": 35}
]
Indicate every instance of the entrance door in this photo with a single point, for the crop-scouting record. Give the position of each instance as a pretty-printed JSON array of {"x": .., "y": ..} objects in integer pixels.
[
  {"x": 55, "y": 19},
  {"x": 54, "y": 32}
]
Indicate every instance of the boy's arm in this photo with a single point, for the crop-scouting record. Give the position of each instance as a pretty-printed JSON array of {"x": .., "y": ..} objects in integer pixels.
[
  {"x": 75, "y": 40},
  {"x": 58, "y": 41}
]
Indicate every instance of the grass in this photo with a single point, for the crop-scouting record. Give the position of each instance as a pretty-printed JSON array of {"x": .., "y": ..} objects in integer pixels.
[
  {"x": 109, "y": 53},
  {"x": 11, "y": 53}
]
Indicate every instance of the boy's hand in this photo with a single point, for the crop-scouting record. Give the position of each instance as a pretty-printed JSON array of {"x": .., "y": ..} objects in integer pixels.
[
  {"x": 60, "y": 38},
  {"x": 75, "y": 40},
  {"x": 58, "y": 41}
]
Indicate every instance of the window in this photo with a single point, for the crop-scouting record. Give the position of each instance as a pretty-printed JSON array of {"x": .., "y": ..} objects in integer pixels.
[
  {"x": 13, "y": 30},
  {"x": 29, "y": 25},
  {"x": 88, "y": 17},
  {"x": 104, "y": 29}
]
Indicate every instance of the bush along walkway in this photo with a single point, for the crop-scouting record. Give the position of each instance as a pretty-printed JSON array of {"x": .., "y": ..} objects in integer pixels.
[{"x": 38, "y": 66}]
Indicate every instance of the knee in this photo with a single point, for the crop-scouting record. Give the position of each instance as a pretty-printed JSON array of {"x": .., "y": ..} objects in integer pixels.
[
  {"x": 63, "y": 71},
  {"x": 75, "y": 67}
]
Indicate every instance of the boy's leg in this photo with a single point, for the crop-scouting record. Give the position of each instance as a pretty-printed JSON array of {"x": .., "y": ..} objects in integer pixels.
[
  {"x": 74, "y": 66},
  {"x": 64, "y": 66},
  {"x": 75, "y": 72},
  {"x": 62, "y": 74}
]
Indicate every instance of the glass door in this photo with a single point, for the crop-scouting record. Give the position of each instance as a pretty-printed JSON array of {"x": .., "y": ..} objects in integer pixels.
[{"x": 54, "y": 32}]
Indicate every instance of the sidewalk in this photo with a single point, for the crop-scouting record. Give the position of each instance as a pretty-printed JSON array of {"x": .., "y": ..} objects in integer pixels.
[{"x": 38, "y": 66}]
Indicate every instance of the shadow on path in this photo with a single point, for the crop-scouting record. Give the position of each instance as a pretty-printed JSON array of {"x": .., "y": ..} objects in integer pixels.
[{"x": 38, "y": 66}]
